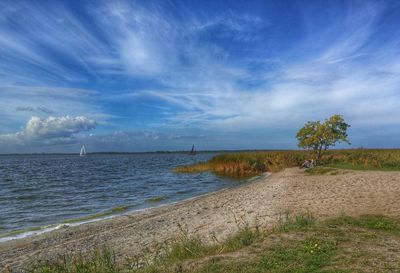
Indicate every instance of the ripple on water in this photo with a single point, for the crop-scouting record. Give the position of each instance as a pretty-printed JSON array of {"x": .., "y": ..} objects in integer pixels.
[{"x": 41, "y": 190}]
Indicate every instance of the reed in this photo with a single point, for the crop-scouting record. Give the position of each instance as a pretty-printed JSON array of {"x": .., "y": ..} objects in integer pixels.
[{"x": 247, "y": 164}]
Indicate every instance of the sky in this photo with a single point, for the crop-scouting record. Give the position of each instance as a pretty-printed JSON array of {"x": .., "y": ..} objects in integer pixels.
[{"x": 163, "y": 75}]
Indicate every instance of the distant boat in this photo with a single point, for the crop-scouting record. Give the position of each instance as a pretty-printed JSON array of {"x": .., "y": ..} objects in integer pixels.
[
  {"x": 83, "y": 151},
  {"x": 193, "y": 151}
]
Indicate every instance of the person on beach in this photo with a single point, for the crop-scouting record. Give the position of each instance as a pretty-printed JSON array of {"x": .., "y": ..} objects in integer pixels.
[
  {"x": 305, "y": 164},
  {"x": 308, "y": 164}
]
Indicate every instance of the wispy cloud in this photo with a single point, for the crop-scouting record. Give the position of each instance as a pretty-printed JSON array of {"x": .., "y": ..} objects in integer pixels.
[
  {"x": 32, "y": 109},
  {"x": 343, "y": 74},
  {"x": 170, "y": 66}
]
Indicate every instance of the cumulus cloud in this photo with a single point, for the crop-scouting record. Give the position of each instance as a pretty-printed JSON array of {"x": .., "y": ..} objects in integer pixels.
[
  {"x": 19, "y": 103},
  {"x": 50, "y": 129},
  {"x": 58, "y": 126}
]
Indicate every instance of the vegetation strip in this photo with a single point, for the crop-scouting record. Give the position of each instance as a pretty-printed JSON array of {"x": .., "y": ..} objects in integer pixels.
[
  {"x": 247, "y": 164},
  {"x": 297, "y": 244}
]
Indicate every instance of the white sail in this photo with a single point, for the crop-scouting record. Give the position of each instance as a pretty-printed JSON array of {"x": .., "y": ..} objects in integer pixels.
[{"x": 83, "y": 151}]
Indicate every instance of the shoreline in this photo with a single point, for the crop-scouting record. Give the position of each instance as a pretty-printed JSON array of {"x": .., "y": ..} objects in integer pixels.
[
  {"x": 218, "y": 214},
  {"x": 39, "y": 230}
]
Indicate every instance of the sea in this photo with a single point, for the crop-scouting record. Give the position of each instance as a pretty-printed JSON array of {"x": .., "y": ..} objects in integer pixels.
[{"x": 39, "y": 193}]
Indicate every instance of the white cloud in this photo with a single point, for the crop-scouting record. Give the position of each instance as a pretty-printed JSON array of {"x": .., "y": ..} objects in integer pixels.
[
  {"x": 19, "y": 103},
  {"x": 58, "y": 126},
  {"x": 50, "y": 129}
]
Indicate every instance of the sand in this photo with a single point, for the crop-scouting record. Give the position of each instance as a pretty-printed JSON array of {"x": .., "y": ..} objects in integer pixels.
[{"x": 218, "y": 214}]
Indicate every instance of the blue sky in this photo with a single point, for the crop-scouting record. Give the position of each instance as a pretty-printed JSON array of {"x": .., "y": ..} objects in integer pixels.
[{"x": 161, "y": 75}]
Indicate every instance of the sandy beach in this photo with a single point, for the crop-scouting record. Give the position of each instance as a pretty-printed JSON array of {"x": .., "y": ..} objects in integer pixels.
[{"x": 217, "y": 214}]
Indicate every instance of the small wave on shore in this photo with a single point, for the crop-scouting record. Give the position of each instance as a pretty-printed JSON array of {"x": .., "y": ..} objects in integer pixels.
[
  {"x": 160, "y": 201},
  {"x": 31, "y": 231},
  {"x": 40, "y": 191}
]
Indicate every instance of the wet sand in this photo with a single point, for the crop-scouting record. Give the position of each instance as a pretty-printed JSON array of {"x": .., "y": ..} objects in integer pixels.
[{"x": 263, "y": 202}]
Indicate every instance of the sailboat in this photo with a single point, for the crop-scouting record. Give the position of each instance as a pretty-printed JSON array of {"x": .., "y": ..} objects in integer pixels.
[
  {"x": 193, "y": 151},
  {"x": 83, "y": 151}
]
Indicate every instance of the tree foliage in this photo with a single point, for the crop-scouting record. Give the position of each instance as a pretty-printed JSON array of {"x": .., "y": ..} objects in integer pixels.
[{"x": 318, "y": 136}]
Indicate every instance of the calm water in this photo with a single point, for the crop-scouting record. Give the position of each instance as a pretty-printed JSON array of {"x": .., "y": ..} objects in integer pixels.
[{"x": 49, "y": 189}]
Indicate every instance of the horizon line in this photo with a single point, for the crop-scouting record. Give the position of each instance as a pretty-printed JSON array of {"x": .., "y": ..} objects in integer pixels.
[{"x": 185, "y": 151}]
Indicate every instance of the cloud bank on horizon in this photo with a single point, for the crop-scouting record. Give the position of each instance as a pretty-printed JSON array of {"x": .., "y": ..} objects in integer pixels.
[{"x": 161, "y": 75}]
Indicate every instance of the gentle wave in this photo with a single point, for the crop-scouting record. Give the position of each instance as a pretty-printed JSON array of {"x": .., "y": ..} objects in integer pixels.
[
  {"x": 48, "y": 189},
  {"x": 117, "y": 211}
]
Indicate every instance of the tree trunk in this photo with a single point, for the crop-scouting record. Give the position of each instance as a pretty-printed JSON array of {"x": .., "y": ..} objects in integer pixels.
[{"x": 319, "y": 152}]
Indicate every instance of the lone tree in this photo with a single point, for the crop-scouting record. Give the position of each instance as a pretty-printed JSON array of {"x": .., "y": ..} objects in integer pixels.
[{"x": 318, "y": 137}]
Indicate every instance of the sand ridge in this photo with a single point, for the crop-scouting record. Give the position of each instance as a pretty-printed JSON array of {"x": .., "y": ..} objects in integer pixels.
[{"x": 264, "y": 201}]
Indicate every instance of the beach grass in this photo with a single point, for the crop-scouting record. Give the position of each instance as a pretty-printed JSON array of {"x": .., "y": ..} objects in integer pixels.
[
  {"x": 247, "y": 164},
  {"x": 185, "y": 248},
  {"x": 246, "y": 236},
  {"x": 295, "y": 223},
  {"x": 102, "y": 260},
  {"x": 367, "y": 243}
]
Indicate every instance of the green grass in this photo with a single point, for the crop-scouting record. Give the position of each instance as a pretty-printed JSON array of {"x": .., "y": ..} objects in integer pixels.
[
  {"x": 187, "y": 248},
  {"x": 376, "y": 222},
  {"x": 247, "y": 164},
  {"x": 298, "y": 222},
  {"x": 102, "y": 260},
  {"x": 299, "y": 244},
  {"x": 362, "y": 167},
  {"x": 184, "y": 247},
  {"x": 246, "y": 236},
  {"x": 308, "y": 255}
]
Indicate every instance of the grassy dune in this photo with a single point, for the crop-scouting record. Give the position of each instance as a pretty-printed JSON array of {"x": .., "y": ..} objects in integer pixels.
[
  {"x": 246, "y": 164},
  {"x": 299, "y": 244}
]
